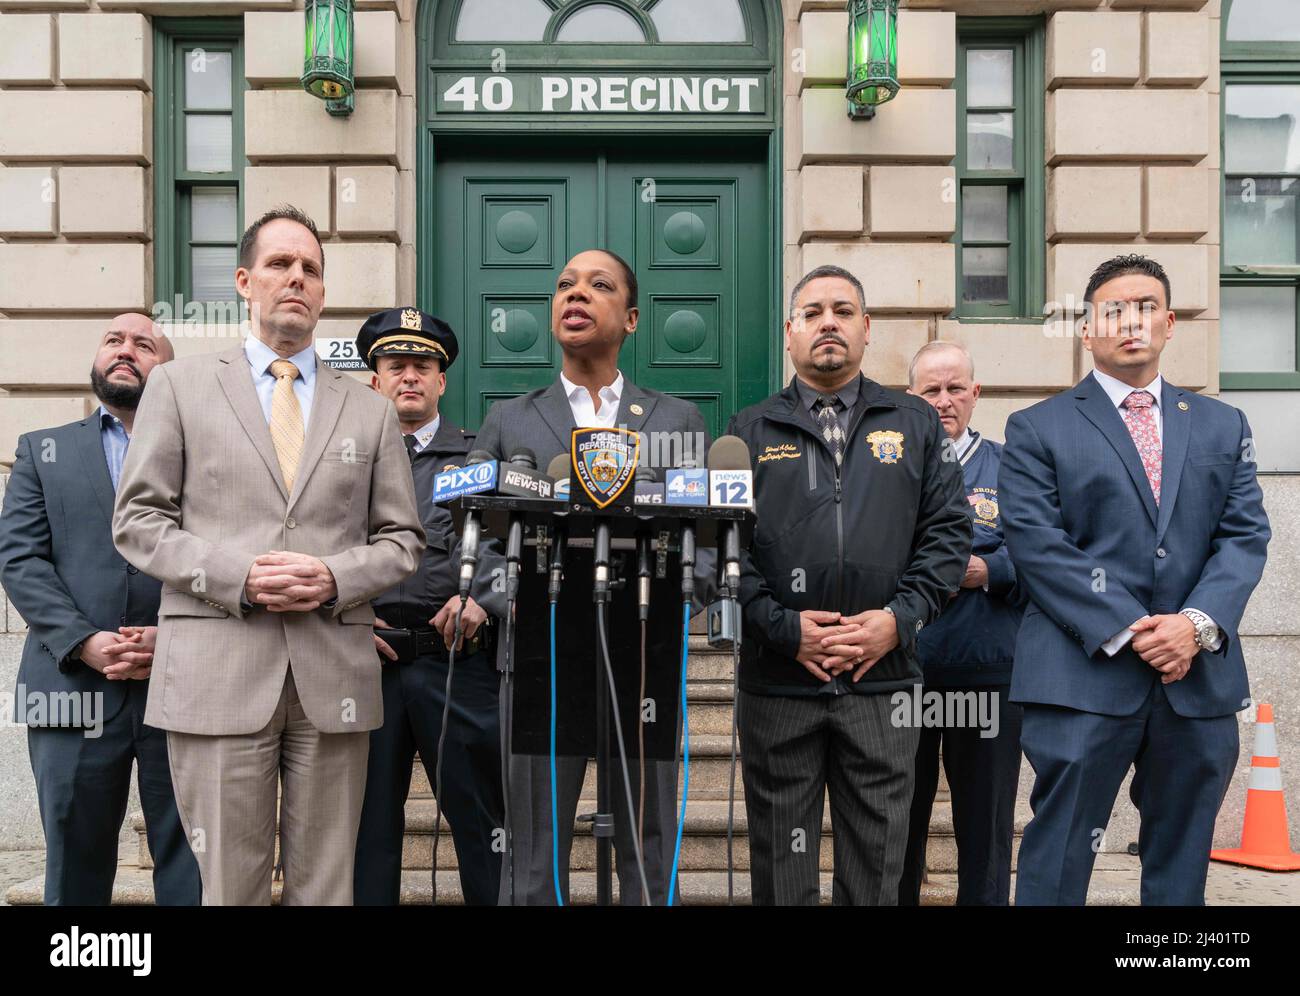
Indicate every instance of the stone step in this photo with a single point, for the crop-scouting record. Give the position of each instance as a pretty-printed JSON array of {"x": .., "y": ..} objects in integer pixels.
[
  {"x": 710, "y": 769},
  {"x": 704, "y": 838},
  {"x": 134, "y": 887}
]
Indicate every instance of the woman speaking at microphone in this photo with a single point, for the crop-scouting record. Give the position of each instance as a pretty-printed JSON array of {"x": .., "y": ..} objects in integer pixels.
[{"x": 593, "y": 310}]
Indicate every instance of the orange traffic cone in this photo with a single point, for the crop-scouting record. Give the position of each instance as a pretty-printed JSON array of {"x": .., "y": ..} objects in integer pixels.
[{"x": 1264, "y": 840}]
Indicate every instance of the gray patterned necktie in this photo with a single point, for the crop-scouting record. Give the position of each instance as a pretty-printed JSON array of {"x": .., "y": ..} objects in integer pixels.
[{"x": 829, "y": 420}]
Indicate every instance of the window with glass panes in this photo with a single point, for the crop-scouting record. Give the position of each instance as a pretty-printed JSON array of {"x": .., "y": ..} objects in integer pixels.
[
  {"x": 1259, "y": 336},
  {"x": 1000, "y": 251},
  {"x": 199, "y": 142}
]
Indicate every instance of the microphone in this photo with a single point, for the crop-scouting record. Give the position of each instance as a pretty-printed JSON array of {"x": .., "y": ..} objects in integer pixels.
[
  {"x": 558, "y": 468},
  {"x": 479, "y": 475},
  {"x": 523, "y": 462},
  {"x": 688, "y": 485},
  {"x": 558, "y": 471},
  {"x": 648, "y": 491},
  {"x": 601, "y": 544},
  {"x": 520, "y": 478},
  {"x": 482, "y": 474},
  {"x": 645, "y": 483},
  {"x": 470, "y": 532},
  {"x": 731, "y": 485}
]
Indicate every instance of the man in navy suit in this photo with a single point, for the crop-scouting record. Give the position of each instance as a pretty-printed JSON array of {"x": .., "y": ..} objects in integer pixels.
[
  {"x": 92, "y": 624},
  {"x": 1135, "y": 521}
]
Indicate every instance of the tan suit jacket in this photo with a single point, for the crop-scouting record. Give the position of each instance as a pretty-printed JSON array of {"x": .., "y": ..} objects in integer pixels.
[{"x": 201, "y": 495}]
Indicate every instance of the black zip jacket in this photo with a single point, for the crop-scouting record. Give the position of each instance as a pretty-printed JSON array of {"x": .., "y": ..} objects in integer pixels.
[
  {"x": 413, "y": 602},
  {"x": 891, "y": 527}
]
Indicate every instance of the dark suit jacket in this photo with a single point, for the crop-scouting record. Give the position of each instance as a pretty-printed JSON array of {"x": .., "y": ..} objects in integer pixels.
[
  {"x": 543, "y": 422},
  {"x": 1095, "y": 553},
  {"x": 58, "y": 562}
]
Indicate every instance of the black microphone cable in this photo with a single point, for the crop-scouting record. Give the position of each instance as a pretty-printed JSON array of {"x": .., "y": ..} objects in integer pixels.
[
  {"x": 640, "y": 748},
  {"x": 506, "y": 693},
  {"x": 442, "y": 739},
  {"x": 622, "y": 748}
]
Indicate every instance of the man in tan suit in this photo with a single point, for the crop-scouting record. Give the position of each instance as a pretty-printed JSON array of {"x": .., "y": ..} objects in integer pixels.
[{"x": 272, "y": 496}]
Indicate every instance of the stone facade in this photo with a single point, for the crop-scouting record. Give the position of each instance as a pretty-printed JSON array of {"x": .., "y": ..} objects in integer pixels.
[{"x": 77, "y": 233}]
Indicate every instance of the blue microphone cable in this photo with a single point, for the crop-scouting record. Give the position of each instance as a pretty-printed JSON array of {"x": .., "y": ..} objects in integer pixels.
[
  {"x": 686, "y": 753},
  {"x": 555, "y": 815}
]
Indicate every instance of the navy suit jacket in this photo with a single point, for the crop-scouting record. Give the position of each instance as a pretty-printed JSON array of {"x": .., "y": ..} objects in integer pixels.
[
  {"x": 1095, "y": 553},
  {"x": 59, "y": 565}
]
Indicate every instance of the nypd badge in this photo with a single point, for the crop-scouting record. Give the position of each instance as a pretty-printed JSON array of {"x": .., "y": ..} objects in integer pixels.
[
  {"x": 411, "y": 320},
  {"x": 886, "y": 445},
  {"x": 604, "y": 463}
]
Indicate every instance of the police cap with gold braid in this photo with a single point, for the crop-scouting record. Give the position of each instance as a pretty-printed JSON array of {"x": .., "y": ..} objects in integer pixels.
[{"x": 406, "y": 332}]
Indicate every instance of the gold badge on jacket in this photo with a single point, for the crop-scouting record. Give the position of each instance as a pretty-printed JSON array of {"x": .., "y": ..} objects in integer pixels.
[
  {"x": 985, "y": 503},
  {"x": 886, "y": 445}
]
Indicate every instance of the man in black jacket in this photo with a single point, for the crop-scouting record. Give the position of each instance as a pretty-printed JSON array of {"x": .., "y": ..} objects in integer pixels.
[
  {"x": 862, "y": 536},
  {"x": 92, "y": 624},
  {"x": 410, "y": 352}
]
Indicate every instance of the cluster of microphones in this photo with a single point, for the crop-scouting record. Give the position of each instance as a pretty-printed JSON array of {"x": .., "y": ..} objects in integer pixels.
[{"x": 725, "y": 482}]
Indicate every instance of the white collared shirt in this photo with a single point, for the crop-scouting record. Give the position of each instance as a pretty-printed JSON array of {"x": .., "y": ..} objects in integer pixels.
[
  {"x": 261, "y": 356},
  {"x": 424, "y": 435},
  {"x": 1117, "y": 391},
  {"x": 962, "y": 443},
  {"x": 584, "y": 413}
]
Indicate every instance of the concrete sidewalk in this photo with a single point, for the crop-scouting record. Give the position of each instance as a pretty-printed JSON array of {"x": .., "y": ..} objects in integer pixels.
[{"x": 1228, "y": 885}]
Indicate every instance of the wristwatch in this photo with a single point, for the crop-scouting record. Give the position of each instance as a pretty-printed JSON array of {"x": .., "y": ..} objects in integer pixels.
[{"x": 1207, "y": 634}]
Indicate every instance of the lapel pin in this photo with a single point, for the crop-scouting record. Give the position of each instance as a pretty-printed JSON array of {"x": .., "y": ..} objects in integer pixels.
[
  {"x": 1183, "y": 406},
  {"x": 636, "y": 409}
]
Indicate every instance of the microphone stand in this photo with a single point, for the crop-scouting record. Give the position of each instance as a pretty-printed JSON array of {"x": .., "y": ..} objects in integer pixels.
[{"x": 506, "y": 666}]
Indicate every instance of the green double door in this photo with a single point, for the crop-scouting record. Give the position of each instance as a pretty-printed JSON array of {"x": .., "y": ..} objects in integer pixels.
[{"x": 507, "y": 217}]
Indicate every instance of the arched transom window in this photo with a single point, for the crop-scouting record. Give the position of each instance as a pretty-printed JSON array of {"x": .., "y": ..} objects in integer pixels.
[
  {"x": 1263, "y": 20},
  {"x": 615, "y": 22}
]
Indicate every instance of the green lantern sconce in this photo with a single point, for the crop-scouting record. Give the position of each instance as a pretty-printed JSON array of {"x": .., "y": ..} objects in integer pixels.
[
  {"x": 873, "y": 55},
  {"x": 328, "y": 57}
]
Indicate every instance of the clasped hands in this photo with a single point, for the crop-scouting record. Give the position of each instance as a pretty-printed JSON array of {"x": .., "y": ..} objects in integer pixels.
[
  {"x": 124, "y": 655},
  {"x": 284, "y": 581},
  {"x": 1167, "y": 643},
  {"x": 831, "y": 643}
]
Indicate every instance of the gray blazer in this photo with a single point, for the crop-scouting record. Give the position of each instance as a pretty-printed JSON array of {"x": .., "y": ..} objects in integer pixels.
[
  {"x": 60, "y": 568},
  {"x": 543, "y": 422}
]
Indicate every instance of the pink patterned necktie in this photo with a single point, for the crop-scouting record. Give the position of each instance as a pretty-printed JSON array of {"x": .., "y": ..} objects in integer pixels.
[{"x": 1141, "y": 422}]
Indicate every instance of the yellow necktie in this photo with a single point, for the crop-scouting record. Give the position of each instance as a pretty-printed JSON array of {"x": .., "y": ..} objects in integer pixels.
[{"x": 286, "y": 421}]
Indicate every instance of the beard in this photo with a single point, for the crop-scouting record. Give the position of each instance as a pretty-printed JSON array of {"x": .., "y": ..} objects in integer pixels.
[
  {"x": 829, "y": 362},
  {"x": 126, "y": 396}
]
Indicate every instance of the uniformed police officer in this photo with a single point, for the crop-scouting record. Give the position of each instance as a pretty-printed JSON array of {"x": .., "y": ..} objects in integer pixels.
[
  {"x": 409, "y": 352},
  {"x": 862, "y": 535}
]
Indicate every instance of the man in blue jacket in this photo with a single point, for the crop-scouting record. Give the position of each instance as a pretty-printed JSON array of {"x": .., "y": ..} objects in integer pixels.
[
  {"x": 966, "y": 657},
  {"x": 1137, "y": 526}
]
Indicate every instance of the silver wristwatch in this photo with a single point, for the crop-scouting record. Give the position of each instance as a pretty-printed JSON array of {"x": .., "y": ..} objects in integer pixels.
[{"x": 1207, "y": 631}]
